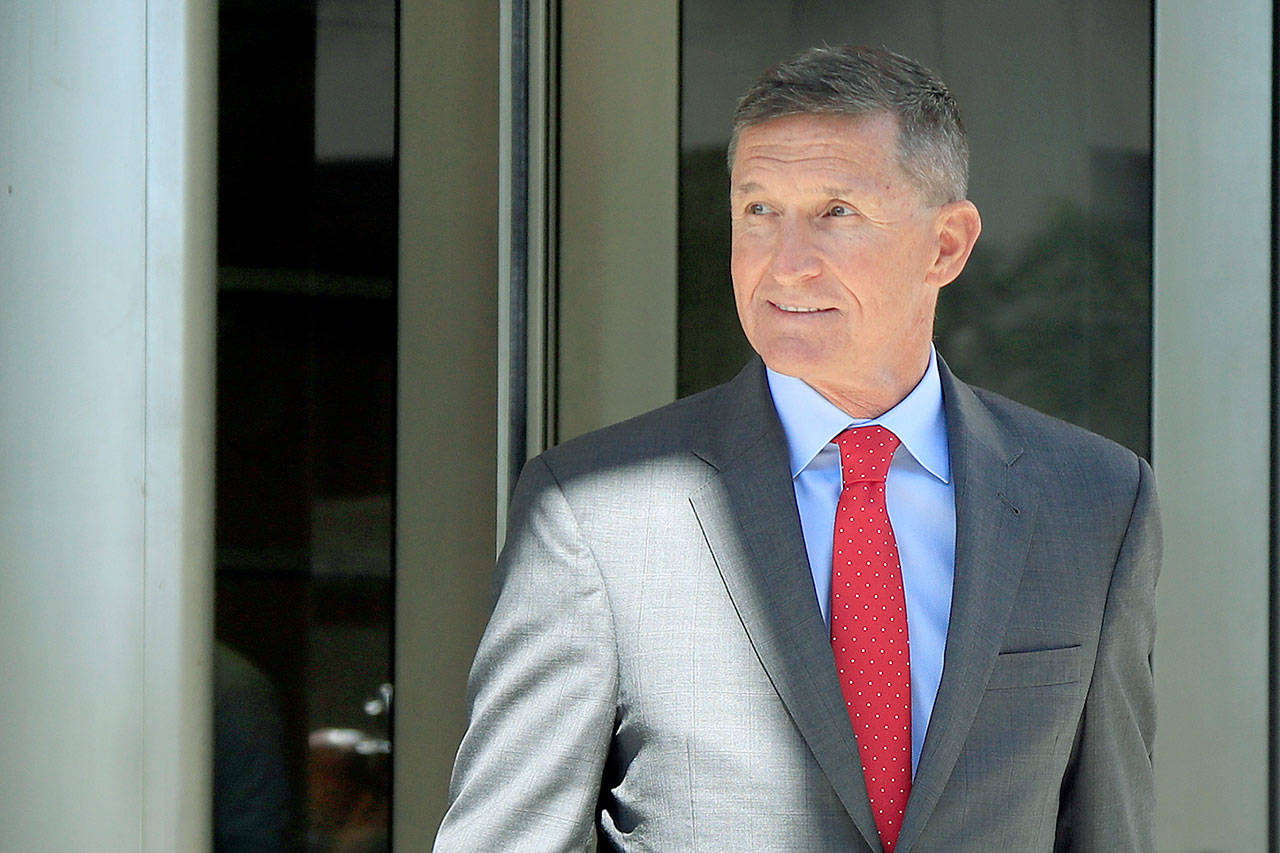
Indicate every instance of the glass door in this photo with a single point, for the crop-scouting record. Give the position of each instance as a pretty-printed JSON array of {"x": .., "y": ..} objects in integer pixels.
[{"x": 306, "y": 413}]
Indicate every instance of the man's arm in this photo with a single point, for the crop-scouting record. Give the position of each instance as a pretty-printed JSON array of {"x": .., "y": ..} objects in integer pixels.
[
  {"x": 542, "y": 691},
  {"x": 1108, "y": 803}
]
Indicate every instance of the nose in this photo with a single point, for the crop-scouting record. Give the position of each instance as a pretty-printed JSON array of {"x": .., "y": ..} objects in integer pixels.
[{"x": 795, "y": 256}]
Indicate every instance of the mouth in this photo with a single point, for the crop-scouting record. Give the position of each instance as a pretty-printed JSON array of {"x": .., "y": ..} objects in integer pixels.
[{"x": 797, "y": 309}]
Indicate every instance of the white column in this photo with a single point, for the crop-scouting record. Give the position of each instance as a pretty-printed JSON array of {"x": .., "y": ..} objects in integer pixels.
[
  {"x": 1211, "y": 420},
  {"x": 106, "y": 316}
]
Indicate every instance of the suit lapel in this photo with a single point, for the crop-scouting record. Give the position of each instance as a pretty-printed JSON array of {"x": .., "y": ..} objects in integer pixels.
[
  {"x": 748, "y": 516},
  {"x": 994, "y": 518}
]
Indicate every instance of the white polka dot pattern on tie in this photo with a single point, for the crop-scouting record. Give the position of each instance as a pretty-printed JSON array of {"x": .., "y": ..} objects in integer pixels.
[{"x": 869, "y": 625}]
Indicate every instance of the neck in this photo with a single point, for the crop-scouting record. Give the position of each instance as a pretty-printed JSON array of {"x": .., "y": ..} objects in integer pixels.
[{"x": 870, "y": 396}]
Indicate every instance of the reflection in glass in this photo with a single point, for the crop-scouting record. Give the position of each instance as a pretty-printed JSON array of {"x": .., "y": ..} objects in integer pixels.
[
  {"x": 250, "y": 784},
  {"x": 307, "y": 246},
  {"x": 1054, "y": 308}
]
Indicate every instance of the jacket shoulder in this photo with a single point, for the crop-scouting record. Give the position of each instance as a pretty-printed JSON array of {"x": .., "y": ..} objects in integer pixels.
[{"x": 1046, "y": 434}]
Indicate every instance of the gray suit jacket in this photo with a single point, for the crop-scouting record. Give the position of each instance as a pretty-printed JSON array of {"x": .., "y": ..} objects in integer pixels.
[{"x": 656, "y": 670}]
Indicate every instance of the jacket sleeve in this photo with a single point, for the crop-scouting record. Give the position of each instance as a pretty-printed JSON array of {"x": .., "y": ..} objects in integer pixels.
[
  {"x": 1108, "y": 802},
  {"x": 542, "y": 690}
]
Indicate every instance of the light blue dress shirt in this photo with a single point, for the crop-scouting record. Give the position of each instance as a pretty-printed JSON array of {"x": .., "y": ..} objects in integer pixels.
[{"x": 922, "y": 509}]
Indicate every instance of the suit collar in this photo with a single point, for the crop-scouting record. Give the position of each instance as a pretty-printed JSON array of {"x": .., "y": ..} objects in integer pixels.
[{"x": 742, "y": 414}]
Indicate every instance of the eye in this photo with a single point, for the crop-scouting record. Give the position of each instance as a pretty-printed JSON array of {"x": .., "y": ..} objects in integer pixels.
[
  {"x": 755, "y": 208},
  {"x": 840, "y": 210}
]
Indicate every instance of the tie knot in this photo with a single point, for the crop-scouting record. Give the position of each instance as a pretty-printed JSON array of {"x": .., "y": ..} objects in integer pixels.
[{"x": 865, "y": 453}]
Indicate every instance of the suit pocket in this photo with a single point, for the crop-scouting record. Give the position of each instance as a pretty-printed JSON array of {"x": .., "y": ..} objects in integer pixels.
[{"x": 1038, "y": 668}]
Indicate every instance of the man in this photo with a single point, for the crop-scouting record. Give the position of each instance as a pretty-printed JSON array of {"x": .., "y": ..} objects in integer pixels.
[{"x": 705, "y": 634}]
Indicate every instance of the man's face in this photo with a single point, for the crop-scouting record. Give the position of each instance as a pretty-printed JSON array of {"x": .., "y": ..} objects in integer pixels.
[{"x": 835, "y": 254}]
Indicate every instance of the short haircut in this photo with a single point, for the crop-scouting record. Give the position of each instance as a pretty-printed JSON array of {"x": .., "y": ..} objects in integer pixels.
[{"x": 864, "y": 81}]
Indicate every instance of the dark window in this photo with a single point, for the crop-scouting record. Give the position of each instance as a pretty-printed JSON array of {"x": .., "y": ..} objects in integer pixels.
[{"x": 307, "y": 254}]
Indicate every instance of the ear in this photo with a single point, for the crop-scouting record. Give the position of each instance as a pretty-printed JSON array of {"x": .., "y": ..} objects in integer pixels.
[{"x": 957, "y": 226}]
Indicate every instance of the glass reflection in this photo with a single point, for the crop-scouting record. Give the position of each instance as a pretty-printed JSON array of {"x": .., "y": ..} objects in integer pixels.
[
  {"x": 307, "y": 244},
  {"x": 1054, "y": 308}
]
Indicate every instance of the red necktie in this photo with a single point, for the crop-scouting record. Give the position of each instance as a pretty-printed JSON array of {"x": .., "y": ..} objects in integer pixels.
[{"x": 869, "y": 625}]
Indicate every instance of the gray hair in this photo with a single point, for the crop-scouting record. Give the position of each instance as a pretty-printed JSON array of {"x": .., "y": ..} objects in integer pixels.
[{"x": 864, "y": 81}]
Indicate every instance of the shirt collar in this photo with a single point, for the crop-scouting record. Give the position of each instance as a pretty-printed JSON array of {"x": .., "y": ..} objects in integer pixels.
[{"x": 810, "y": 420}]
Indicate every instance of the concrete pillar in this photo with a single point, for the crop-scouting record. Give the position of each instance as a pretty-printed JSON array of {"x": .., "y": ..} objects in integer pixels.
[
  {"x": 106, "y": 386},
  {"x": 1211, "y": 421}
]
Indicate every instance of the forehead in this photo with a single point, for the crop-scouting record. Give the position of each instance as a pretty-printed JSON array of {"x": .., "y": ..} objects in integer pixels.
[{"x": 824, "y": 146}]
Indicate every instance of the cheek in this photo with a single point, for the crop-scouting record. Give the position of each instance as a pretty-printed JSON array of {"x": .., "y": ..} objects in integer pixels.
[
  {"x": 744, "y": 268},
  {"x": 887, "y": 276}
]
